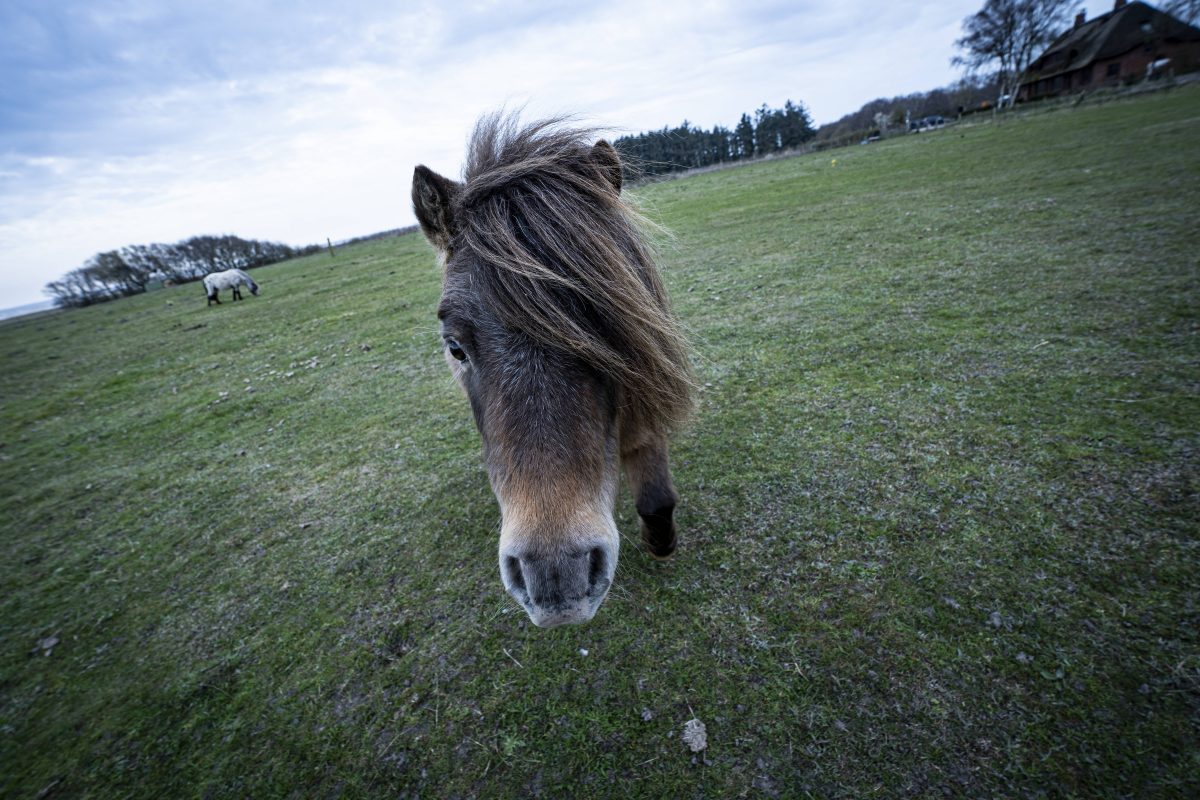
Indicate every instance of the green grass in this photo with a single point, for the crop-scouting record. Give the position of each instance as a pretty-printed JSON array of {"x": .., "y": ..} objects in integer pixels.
[{"x": 938, "y": 526}]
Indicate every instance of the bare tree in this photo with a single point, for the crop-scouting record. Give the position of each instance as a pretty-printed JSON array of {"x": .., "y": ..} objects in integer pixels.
[
  {"x": 1007, "y": 35},
  {"x": 1184, "y": 10},
  {"x": 65, "y": 293}
]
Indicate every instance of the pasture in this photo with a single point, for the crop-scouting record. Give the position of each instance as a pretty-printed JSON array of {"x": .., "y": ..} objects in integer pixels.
[{"x": 938, "y": 518}]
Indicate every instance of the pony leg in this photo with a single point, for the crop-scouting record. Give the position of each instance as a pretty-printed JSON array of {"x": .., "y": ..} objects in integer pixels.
[
  {"x": 649, "y": 471},
  {"x": 237, "y": 293}
]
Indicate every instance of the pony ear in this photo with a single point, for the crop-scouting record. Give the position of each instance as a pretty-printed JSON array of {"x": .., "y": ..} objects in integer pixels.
[
  {"x": 433, "y": 201},
  {"x": 605, "y": 157}
]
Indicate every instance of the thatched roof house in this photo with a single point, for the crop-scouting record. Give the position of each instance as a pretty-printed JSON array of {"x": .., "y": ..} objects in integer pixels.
[{"x": 1131, "y": 42}]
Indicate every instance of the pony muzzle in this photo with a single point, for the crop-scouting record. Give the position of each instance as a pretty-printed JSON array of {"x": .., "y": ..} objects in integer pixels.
[{"x": 560, "y": 585}]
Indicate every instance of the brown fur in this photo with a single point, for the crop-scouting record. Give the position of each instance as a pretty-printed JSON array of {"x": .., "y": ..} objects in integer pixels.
[{"x": 569, "y": 263}]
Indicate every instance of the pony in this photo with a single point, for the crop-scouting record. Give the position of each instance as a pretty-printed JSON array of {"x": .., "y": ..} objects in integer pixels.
[
  {"x": 229, "y": 279},
  {"x": 556, "y": 325}
]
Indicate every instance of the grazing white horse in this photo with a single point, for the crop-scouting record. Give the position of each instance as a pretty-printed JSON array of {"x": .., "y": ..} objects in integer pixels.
[{"x": 229, "y": 279}]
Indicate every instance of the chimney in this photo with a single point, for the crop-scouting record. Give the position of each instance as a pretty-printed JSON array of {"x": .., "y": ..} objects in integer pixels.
[
  {"x": 1117, "y": 6},
  {"x": 1080, "y": 18}
]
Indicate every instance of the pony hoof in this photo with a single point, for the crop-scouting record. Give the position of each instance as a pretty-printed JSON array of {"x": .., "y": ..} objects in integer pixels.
[
  {"x": 667, "y": 556},
  {"x": 660, "y": 552}
]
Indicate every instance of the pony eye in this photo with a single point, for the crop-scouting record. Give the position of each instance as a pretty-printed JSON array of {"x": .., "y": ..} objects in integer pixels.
[{"x": 456, "y": 350}]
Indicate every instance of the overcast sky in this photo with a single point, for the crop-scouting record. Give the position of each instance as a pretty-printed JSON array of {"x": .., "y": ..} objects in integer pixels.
[{"x": 133, "y": 121}]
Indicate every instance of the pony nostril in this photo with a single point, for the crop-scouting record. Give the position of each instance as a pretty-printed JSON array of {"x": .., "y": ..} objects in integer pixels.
[
  {"x": 597, "y": 567},
  {"x": 512, "y": 571}
]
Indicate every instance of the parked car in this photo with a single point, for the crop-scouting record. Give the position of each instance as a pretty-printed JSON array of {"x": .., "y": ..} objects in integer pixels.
[{"x": 927, "y": 123}]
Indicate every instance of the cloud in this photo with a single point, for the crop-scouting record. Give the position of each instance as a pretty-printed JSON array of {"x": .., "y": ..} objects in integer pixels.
[{"x": 125, "y": 121}]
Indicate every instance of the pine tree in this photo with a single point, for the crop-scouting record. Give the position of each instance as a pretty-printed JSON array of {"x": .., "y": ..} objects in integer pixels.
[{"x": 744, "y": 135}]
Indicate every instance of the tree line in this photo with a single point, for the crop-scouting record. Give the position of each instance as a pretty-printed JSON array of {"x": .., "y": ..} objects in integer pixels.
[
  {"x": 688, "y": 147},
  {"x": 999, "y": 43},
  {"x": 891, "y": 114},
  {"x": 131, "y": 270}
]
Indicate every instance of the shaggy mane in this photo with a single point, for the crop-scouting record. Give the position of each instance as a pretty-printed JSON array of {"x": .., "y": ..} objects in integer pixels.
[{"x": 564, "y": 260}]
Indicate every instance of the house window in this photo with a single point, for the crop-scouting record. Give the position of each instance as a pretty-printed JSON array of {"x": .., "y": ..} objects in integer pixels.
[
  {"x": 1085, "y": 76},
  {"x": 1114, "y": 70}
]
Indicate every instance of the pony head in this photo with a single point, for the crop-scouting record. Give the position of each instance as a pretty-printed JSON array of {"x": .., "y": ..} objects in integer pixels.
[{"x": 554, "y": 323}]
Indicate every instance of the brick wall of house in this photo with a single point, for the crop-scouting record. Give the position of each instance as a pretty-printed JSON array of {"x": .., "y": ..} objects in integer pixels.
[{"x": 1132, "y": 65}]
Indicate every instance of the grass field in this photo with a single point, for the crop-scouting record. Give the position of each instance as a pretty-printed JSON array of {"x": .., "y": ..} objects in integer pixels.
[{"x": 938, "y": 528}]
